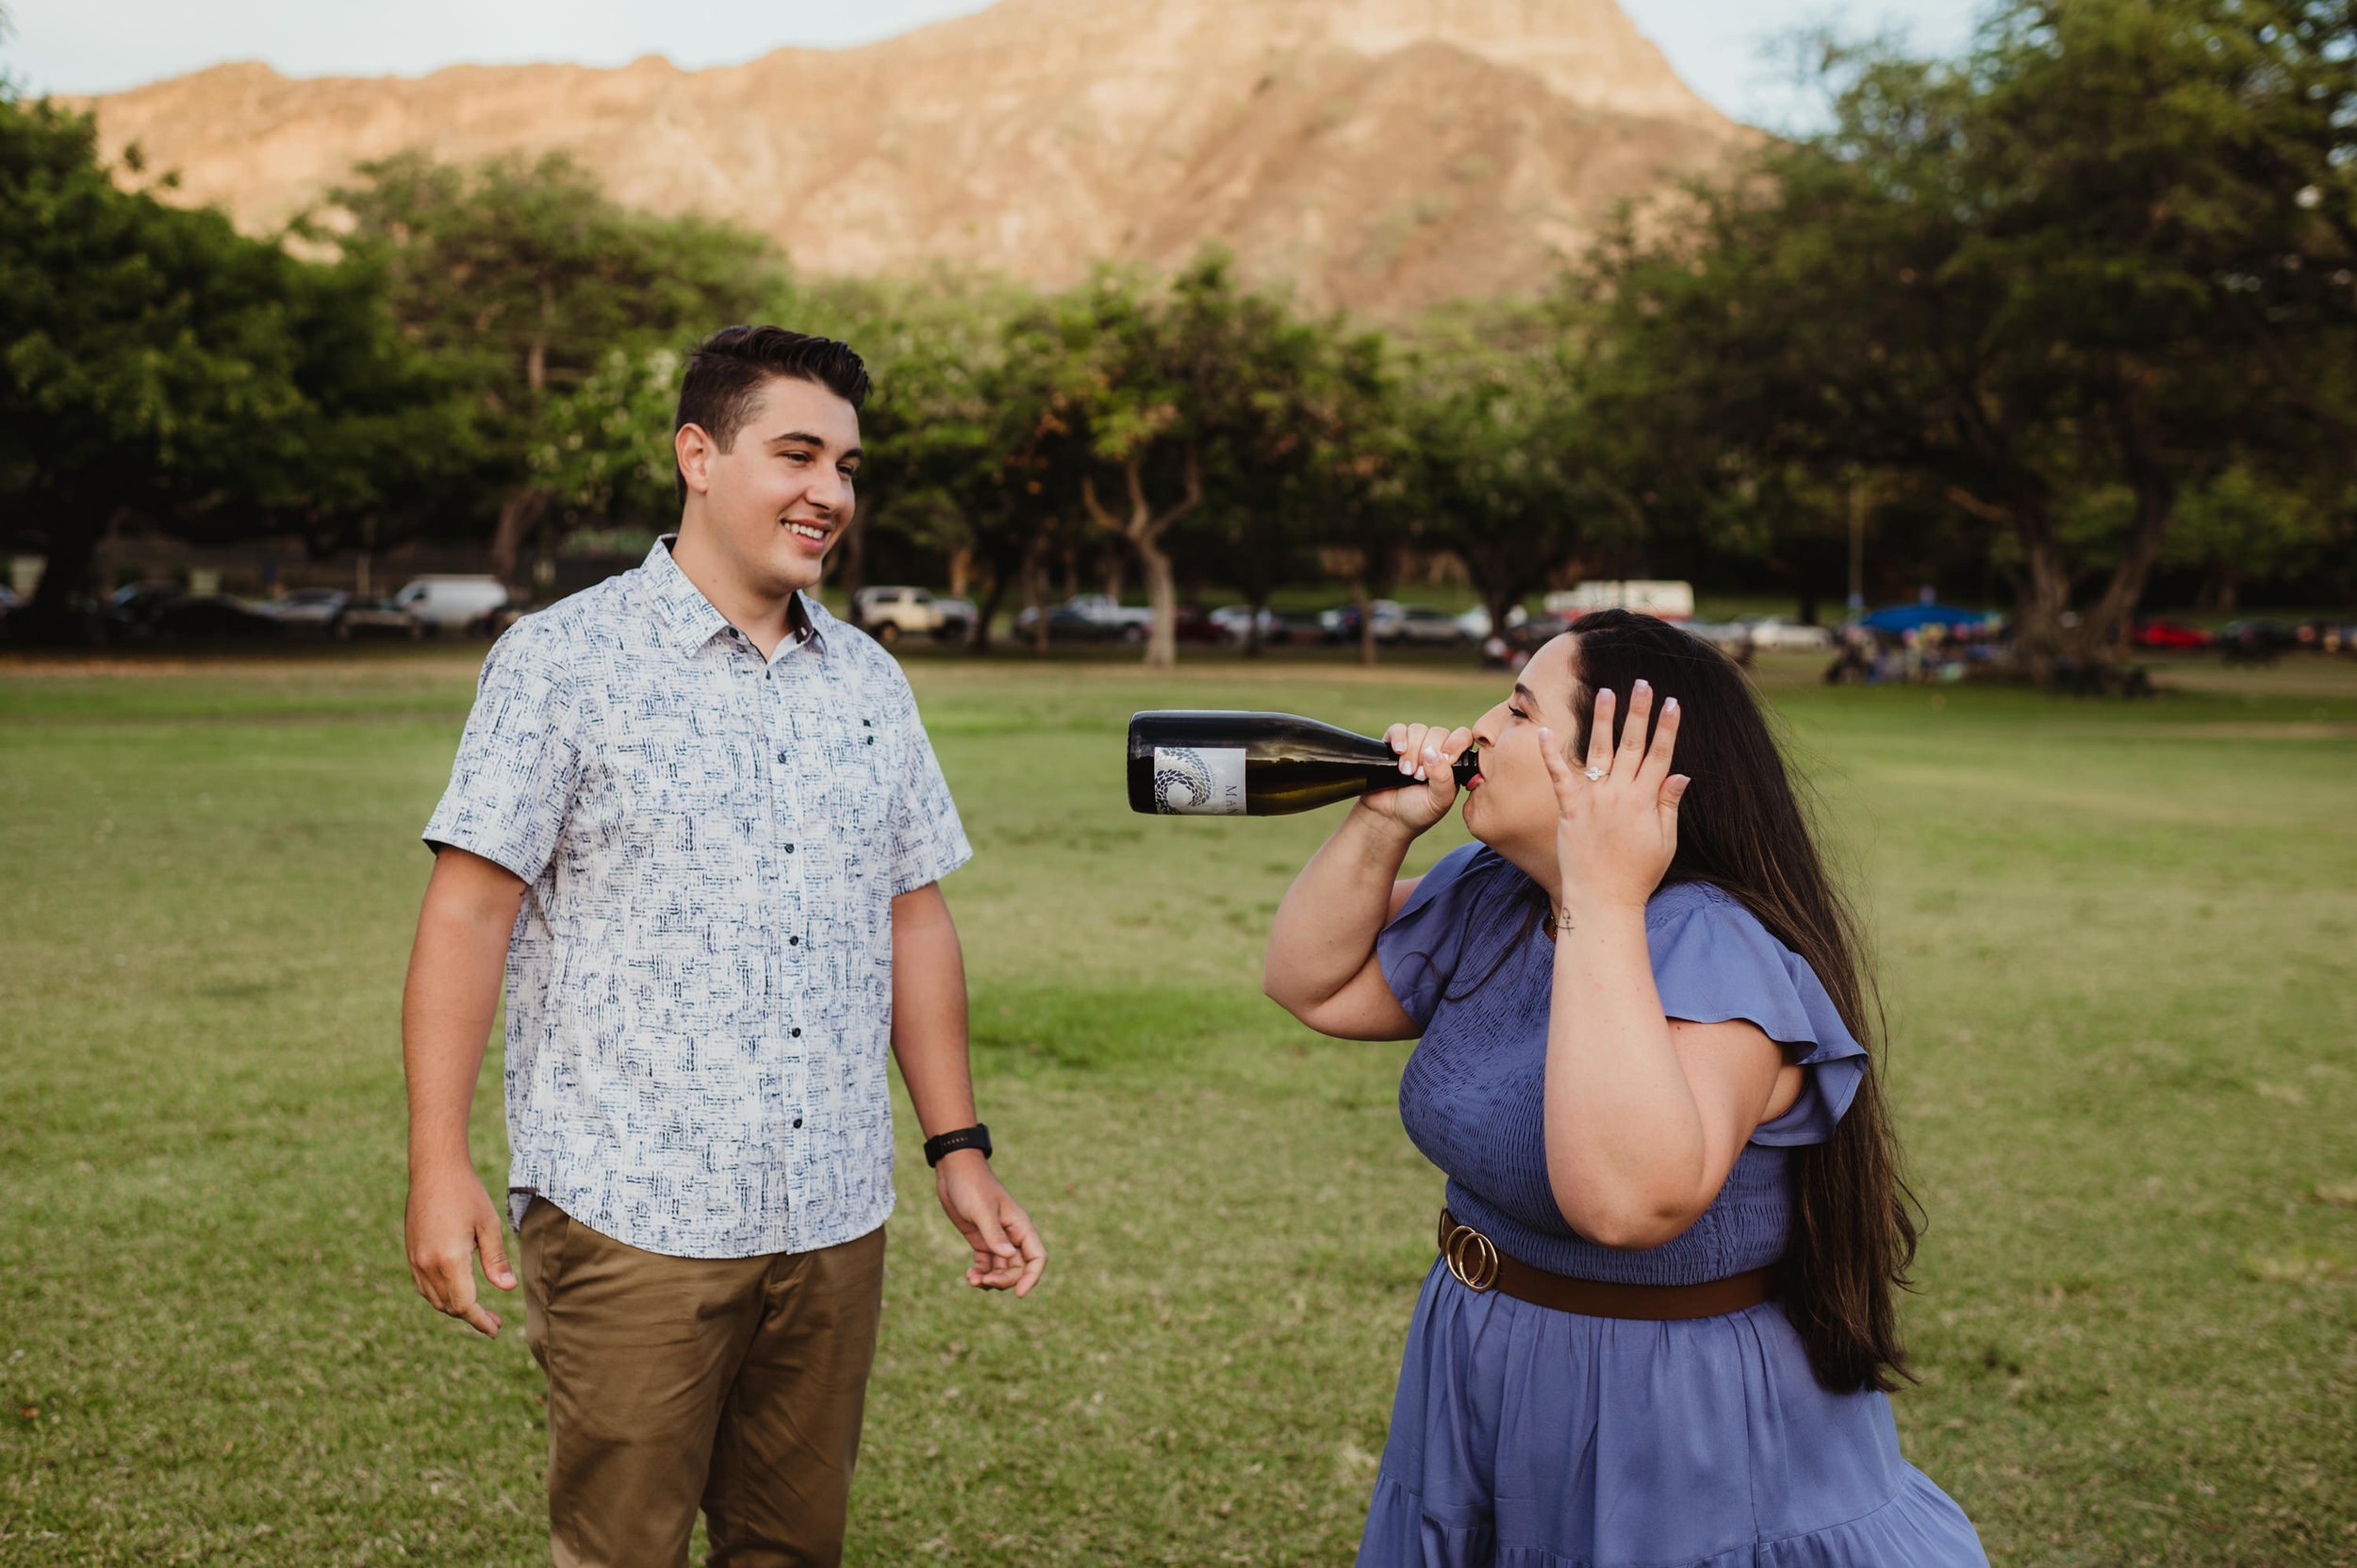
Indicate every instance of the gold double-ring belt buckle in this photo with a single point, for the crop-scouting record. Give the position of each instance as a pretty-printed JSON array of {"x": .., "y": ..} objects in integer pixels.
[{"x": 1472, "y": 1257}]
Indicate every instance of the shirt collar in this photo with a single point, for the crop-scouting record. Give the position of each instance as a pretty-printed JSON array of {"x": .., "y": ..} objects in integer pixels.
[{"x": 696, "y": 620}]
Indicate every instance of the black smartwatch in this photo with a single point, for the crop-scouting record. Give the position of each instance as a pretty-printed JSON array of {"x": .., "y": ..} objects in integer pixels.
[{"x": 976, "y": 1136}]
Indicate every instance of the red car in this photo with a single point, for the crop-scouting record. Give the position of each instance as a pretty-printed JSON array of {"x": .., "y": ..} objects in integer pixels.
[{"x": 2170, "y": 634}]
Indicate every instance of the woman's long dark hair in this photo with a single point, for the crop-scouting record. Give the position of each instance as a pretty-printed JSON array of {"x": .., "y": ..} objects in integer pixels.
[{"x": 1741, "y": 829}]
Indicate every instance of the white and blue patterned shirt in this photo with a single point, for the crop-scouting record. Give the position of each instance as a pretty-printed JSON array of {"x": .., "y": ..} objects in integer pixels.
[{"x": 700, "y": 981}]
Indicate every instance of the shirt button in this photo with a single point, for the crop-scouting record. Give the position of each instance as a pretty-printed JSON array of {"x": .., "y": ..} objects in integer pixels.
[
  {"x": 789, "y": 849},
  {"x": 871, "y": 740},
  {"x": 798, "y": 1035},
  {"x": 793, "y": 941},
  {"x": 780, "y": 756},
  {"x": 797, "y": 1121}
]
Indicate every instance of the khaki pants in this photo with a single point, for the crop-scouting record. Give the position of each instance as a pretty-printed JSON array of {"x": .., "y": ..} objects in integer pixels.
[{"x": 733, "y": 1382}]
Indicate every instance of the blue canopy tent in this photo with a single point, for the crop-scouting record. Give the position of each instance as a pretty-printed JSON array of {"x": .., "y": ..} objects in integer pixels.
[{"x": 1902, "y": 618}]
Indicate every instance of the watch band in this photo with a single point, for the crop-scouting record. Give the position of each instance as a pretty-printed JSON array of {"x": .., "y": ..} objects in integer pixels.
[{"x": 976, "y": 1136}]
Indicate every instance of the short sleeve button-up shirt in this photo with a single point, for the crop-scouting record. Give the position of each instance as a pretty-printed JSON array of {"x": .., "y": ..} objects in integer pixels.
[{"x": 700, "y": 980}]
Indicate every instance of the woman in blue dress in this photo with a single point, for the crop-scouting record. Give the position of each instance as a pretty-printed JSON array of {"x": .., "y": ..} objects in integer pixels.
[{"x": 1663, "y": 1326}]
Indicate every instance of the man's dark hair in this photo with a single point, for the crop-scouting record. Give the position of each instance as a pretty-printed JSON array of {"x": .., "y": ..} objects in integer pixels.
[{"x": 726, "y": 371}]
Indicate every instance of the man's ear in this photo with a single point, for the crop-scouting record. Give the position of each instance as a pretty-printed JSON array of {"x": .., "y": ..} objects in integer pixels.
[{"x": 692, "y": 446}]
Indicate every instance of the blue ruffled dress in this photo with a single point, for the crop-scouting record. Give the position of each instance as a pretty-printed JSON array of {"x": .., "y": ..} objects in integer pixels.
[{"x": 1530, "y": 1438}]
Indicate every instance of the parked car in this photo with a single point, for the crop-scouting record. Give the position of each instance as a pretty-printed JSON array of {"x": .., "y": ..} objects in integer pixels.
[
  {"x": 1340, "y": 623},
  {"x": 213, "y": 618},
  {"x": 134, "y": 608},
  {"x": 306, "y": 609},
  {"x": 1535, "y": 632},
  {"x": 2328, "y": 634},
  {"x": 1476, "y": 621},
  {"x": 1236, "y": 623},
  {"x": 1090, "y": 617},
  {"x": 891, "y": 612},
  {"x": 958, "y": 617},
  {"x": 2255, "y": 641},
  {"x": 2168, "y": 635},
  {"x": 1731, "y": 637},
  {"x": 374, "y": 617},
  {"x": 1423, "y": 624},
  {"x": 1781, "y": 633},
  {"x": 451, "y": 603},
  {"x": 1669, "y": 599},
  {"x": 1192, "y": 625}
]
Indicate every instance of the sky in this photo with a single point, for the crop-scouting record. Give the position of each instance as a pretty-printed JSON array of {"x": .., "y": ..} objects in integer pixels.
[{"x": 1722, "y": 48}]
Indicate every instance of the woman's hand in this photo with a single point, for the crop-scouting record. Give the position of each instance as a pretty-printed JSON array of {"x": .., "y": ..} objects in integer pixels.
[
  {"x": 1617, "y": 821},
  {"x": 1429, "y": 752}
]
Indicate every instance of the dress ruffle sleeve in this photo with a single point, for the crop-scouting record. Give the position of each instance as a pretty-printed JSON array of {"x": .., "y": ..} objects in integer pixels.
[{"x": 1713, "y": 960}]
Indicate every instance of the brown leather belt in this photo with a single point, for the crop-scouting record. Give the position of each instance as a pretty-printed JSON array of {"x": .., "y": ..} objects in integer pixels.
[{"x": 1478, "y": 1265}]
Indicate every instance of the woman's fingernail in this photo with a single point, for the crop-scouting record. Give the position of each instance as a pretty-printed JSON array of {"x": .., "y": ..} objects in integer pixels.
[
  {"x": 1420, "y": 773},
  {"x": 1640, "y": 687},
  {"x": 1671, "y": 706}
]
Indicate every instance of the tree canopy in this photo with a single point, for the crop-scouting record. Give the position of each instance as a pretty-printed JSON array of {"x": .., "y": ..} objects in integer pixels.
[{"x": 2072, "y": 309}]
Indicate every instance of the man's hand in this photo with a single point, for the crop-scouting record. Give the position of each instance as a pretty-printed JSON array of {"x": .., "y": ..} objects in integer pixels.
[
  {"x": 1008, "y": 1254},
  {"x": 451, "y": 1218},
  {"x": 446, "y": 1010}
]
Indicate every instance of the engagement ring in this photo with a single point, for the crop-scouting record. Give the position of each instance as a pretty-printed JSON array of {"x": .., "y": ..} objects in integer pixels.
[{"x": 1595, "y": 775}]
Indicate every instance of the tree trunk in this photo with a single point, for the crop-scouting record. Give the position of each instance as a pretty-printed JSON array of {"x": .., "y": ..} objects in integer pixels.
[
  {"x": 1252, "y": 626},
  {"x": 2104, "y": 628},
  {"x": 1500, "y": 605},
  {"x": 68, "y": 574},
  {"x": 854, "y": 553},
  {"x": 1035, "y": 590},
  {"x": 979, "y": 640},
  {"x": 1162, "y": 592},
  {"x": 1144, "y": 528},
  {"x": 1366, "y": 622},
  {"x": 2045, "y": 645},
  {"x": 517, "y": 513},
  {"x": 961, "y": 570}
]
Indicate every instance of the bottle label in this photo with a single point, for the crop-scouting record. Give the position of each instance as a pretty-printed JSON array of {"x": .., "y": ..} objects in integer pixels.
[{"x": 1199, "y": 780}]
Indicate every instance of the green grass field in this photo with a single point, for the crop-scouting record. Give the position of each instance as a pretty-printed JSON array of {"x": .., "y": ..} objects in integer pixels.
[{"x": 2116, "y": 943}]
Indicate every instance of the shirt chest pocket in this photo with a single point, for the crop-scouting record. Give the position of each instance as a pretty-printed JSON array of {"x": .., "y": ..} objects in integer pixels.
[{"x": 853, "y": 758}]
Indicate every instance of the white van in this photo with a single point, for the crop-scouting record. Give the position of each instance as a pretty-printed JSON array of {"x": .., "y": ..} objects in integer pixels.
[
  {"x": 451, "y": 603},
  {"x": 1670, "y": 601}
]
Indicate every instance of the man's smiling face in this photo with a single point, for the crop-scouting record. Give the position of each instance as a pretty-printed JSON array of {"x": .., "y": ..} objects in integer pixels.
[{"x": 781, "y": 494}]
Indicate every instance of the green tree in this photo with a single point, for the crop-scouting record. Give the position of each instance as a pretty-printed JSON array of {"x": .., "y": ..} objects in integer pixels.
[
  {"x": 2243, "y": 525},
  {"x": 524, "y": 280},
  {"x": 1365, "y": 489},
  {"x": 156, "y": 365},
  {"x": 1136, "y": 381},
  {"x": 1288, "y": 413},
  {"x": 2087, "y": 255},
  {"x": 1199, "y": 404},
  {"x": 1496, "y": 423}
]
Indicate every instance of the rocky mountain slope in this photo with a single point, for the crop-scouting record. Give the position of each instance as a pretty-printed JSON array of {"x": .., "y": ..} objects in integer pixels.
[{"x": 1378, "y": 154}]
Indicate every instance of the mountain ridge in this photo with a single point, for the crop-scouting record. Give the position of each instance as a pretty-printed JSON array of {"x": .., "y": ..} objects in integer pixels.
[{"x": 1378, "y": 154}]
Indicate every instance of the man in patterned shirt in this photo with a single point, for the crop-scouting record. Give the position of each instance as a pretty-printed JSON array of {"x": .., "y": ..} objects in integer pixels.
[{"x": 698, "y": 821}]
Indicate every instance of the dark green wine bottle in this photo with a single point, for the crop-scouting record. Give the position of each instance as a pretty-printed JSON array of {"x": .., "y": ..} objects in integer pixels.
[{"x": 1210, "y": 763}]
